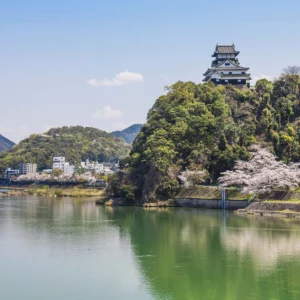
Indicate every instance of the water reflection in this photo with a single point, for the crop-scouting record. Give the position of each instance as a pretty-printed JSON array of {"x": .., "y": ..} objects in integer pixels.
[{"x": 136, "y": 253}]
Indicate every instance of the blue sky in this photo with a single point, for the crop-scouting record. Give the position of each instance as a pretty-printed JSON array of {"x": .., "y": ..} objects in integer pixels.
[{"x": 104, "y": 63}]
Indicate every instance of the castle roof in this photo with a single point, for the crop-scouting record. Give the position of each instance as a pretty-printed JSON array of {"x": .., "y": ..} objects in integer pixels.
[{"x": 225, "y": 49}]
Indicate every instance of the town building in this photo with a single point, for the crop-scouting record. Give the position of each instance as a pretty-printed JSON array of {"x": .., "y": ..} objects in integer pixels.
[
  {"x": 10, "y": 173},
  {"x": 59, "y": 162},
  {"x": 93, "y": 166},
  {"x": 27, "y": 168},
  {"x": 98, "y": 168},
  {"x": 225, "y": 68}
]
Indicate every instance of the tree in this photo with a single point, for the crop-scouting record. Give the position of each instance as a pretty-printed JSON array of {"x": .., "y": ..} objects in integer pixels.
[
  {"x": 262, "y": 174},
  {"x": 192, "y": 178},
  {"x": 291, "y": 70},
  {"x": 57, "y": 172}
]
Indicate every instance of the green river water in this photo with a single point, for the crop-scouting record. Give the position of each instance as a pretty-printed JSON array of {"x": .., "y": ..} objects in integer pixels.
[{"x": 72, "y": 249}]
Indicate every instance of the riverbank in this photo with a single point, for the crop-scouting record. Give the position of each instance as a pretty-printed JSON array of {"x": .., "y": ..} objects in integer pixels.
[
  {"x": 286, "y": 209},
  {"x": 56, "y": 191}
]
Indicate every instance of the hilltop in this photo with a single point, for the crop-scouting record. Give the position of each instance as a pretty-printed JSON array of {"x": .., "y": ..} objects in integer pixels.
[
  {"x": 5, "y": 143},
  {"x": 129, "y": 133},
  {"x": 76, "y": 143},
  {"x": 208, "y": 127}
]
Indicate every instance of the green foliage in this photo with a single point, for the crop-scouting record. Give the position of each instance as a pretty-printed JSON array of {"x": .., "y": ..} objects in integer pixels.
[
  {"x": 57, "y": 172},
  {"x": 76, "y": 143},
  {"x": 127, "y": 192},
  {"x": 212, "y": 127},
  {"x": 58, "y": 193}
]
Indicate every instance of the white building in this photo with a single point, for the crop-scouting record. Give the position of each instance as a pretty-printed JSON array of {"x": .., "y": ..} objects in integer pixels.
[
  {"x": 98, "y": 168},
  {"x": 59, "y": 162},
  {"x": 27, "y": 168},
  {"x": 69, "y": 169},
  {"x": 93, "y": 166},
  {"x": 10, "y": 172}
]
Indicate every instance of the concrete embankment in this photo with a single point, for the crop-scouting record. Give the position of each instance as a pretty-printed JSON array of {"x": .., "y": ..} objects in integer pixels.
[
  {"x": 210, "y": 197},
  {"x": 211, "y": 203},
  {"x": 272, "y": 208}
]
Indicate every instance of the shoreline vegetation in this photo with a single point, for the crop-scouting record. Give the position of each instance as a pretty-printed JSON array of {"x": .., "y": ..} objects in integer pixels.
[{"x": 56, "y": 191}]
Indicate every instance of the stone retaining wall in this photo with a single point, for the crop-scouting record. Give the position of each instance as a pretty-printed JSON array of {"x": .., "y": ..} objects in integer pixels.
[{"x": 214, "y": 203}]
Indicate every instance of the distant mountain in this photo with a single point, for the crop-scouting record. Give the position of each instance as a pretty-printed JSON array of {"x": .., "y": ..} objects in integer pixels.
[
  {"x": 129, "y": 133},
  {"x": 5, "y": 143}
]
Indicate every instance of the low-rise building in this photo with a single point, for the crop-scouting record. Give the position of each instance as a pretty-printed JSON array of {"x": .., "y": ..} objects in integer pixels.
[
  {"x": 26, "y": 168},
  {"x": 98, "y": 168},
  {"x": 10, "y": 172},
  {"x": 59, "y": 162},
  {"x": 47, "y": 171},
  {"x": 93, "y": 166}
]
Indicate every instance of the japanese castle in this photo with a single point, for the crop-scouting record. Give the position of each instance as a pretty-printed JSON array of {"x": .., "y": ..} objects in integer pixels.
[{"x": 226, "y": 68}]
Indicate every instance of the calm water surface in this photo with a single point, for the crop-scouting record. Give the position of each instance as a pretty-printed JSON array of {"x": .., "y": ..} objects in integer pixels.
[{"x": 71, "y": 249}]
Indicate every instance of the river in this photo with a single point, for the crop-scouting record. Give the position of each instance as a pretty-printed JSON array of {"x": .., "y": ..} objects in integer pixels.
[{"x": 72, "y": 249}]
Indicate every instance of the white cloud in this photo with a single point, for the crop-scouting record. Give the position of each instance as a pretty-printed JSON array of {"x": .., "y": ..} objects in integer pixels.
[
  {"x": 120, "y": 79},
  {"x": 107, "y": 113},
  {"x": 262, "y": 76},
  {"x": 130, "y": 77}
]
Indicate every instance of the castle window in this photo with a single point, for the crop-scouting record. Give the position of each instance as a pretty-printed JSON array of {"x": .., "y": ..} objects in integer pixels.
[
  {"x": 230, "y": 72},
  {"x": 227, "y": 64}
]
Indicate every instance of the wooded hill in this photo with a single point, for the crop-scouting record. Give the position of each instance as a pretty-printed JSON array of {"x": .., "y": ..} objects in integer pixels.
[
  {"x": 76, "y": 143},
  {"x": 200, "y": 126}
]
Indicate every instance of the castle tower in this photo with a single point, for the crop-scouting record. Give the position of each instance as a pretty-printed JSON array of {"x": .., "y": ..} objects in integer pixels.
[{"x": 226, "y": 69}]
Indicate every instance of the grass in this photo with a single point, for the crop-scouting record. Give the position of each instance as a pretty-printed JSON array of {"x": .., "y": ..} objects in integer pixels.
[
  {"x": 293, "y": 200},
  {"x": 209, "y": 193},
  {"x": 67, "y": 192}
]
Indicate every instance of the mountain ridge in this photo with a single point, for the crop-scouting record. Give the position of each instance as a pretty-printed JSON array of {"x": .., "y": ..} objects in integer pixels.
[
  {"x": 129, "y": 133},
  {"x": 5, "y": 143}
]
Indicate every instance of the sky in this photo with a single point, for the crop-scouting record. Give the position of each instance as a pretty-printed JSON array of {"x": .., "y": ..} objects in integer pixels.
[{"x": 104, "y": 63}]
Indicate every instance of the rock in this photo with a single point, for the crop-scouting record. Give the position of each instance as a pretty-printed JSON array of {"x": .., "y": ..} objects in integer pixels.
[
  {"x": 115, "y": 202},
  {"x": 167, "y": 203}
]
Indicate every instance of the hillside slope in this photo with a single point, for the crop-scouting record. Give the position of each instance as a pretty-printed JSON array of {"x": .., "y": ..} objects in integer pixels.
[
  {"x": 200, "y": 126},
  {"x": 76, "y": 143},
  {"x": 5, "y": 143},
  {"x": 129, "y": 133}
]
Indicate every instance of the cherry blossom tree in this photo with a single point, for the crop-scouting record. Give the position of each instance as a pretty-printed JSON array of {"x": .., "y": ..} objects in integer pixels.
[
  {"x": 262, "y": 174},
  {"x": 86, "y": 177},
  {"x": 192, "y": 178}
]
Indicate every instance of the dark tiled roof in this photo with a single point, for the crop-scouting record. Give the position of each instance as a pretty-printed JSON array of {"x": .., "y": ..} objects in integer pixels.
[{"x": 225, "y": 49}]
